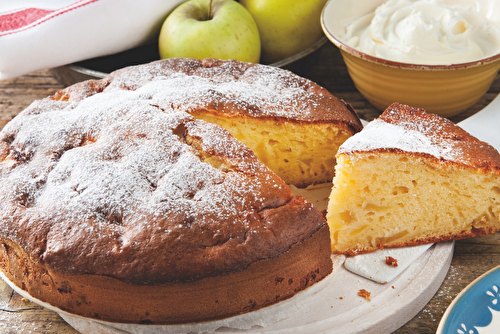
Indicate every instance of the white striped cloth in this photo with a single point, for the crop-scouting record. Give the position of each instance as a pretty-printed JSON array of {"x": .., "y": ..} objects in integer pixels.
[{"x": 36, "y": 34}]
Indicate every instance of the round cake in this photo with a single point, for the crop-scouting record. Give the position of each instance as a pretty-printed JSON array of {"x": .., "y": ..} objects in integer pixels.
[{"x": 117, "y": 204}]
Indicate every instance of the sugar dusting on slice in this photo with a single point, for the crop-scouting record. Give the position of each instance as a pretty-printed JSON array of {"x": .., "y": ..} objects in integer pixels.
[{"x": 381, "y": 135}]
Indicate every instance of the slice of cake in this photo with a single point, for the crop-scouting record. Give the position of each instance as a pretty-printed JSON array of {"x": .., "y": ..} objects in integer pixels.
[
  {"x": 411, "y": 178},
  {"x": 117, "y": 204}
]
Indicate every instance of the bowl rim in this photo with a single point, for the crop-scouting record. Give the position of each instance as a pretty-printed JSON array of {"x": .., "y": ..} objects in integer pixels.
[{"x": 392, "y": 63}]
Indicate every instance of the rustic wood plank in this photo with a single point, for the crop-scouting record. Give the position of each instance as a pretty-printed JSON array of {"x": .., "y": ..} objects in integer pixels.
[
  {"x": 470, "y": 260},
  {"x": 18, "y": 315},
  {"x": 16, "y": 94}
]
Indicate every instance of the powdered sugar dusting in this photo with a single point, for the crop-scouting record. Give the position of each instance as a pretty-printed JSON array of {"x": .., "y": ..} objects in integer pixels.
[
  {"x": 408, "y": 129},
  {"x": 381, "y": 135},
  {"x": 231, "y": 87}
]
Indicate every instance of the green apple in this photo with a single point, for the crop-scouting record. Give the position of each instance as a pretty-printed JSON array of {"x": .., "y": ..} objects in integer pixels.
[
  {"x": 200, "y": 29},
  {"x": 286, "y": 27}
]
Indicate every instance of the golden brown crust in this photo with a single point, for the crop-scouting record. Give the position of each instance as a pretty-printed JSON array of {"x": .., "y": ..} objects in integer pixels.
[
  {"x": 469, "y": 233},
  {"x": 264, "y": 283}
]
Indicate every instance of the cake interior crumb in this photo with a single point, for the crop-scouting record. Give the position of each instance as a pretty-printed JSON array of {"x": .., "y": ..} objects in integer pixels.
[
  {"x": 365, "y": 294},
  {"x": 390, "y": 261}
]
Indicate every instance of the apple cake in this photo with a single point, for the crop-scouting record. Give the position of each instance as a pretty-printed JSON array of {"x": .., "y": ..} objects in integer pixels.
[
  {"x": 411, "y": 178},
  {"x": 119, "y": 204}
]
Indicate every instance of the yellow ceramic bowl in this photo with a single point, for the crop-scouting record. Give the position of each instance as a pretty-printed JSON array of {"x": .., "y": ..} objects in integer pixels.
[{"x": 446, "y": 90}]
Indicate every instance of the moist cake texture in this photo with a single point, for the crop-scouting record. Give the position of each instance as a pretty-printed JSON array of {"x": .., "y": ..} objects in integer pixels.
[
  {"x": 411, "y": 178},
  {"x": 112, "y": 192}
]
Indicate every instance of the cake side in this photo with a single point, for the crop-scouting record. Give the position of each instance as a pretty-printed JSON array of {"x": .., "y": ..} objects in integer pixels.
[
  {"x": 411, "y": 178},
  {"x": 263, "y": 283}
]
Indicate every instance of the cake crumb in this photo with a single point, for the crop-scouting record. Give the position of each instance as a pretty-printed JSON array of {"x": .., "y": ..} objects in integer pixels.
[
  {"x": 365, "y": 294},
  {"x": 390, "y": 261}
]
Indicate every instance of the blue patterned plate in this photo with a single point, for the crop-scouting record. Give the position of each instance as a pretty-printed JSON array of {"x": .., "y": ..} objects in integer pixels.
[{"x": 476, "y": 310}]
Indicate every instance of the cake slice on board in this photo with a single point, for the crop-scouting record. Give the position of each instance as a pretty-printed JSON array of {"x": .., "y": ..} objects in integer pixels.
[{"x": 411, "y": 178}]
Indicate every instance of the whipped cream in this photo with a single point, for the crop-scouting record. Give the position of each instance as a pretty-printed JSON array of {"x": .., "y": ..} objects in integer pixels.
[{"x": 427, "y": 32}]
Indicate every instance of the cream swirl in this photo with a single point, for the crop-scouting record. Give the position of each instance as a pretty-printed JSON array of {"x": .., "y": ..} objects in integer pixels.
[{"x": 425, "y": 32}]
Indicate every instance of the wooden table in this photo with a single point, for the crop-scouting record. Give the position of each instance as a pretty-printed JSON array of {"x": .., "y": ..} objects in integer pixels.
[{"x": 472, "y": 257}]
